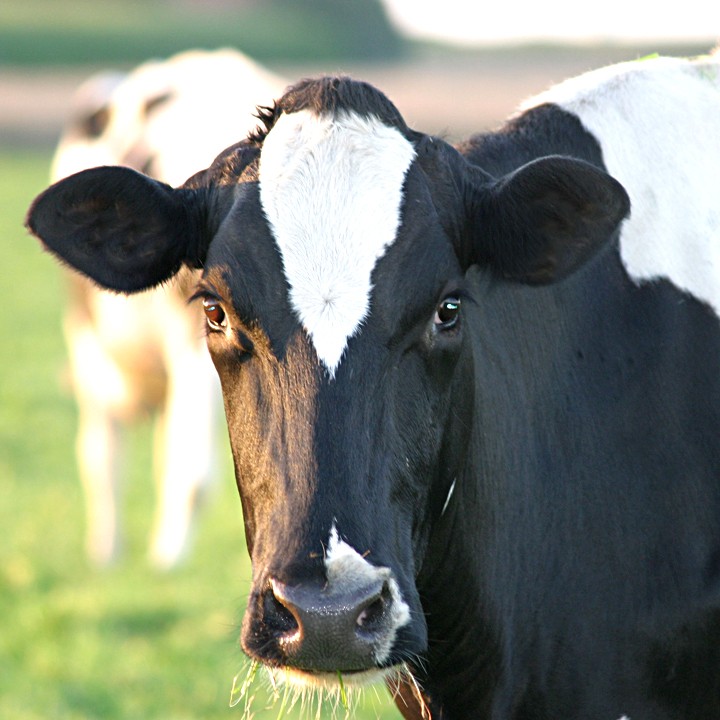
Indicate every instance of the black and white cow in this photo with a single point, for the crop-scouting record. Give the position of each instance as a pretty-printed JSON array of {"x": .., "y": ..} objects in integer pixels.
[{"x": 473, "y": 399}]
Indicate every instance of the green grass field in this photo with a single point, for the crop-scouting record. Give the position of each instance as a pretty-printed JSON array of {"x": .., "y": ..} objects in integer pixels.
[{"x": 128, "y": 642}]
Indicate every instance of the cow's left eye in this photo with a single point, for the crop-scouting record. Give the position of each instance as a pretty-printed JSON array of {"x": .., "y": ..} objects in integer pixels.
[
  {"x": 447, "y": 313},
  {"x": 216, "y": 318}
]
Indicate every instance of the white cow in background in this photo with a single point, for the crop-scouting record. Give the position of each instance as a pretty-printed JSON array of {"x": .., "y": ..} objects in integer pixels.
[{"x": 147, "y": 353}]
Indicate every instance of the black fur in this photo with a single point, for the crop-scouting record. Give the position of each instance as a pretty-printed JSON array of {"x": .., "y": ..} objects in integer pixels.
[{"x": 329, "y": 96}]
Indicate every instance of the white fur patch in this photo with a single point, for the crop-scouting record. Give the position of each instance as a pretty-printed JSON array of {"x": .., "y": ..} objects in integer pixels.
[
  {"x": 344, "y": 566},
  {"x": 331, "y": 189},
  {"x": 658, "y": 124}
]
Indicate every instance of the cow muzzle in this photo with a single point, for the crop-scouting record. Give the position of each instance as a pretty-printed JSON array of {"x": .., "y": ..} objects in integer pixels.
[
  {"x": 347, "y": 622},
  {"x": 348, "y": 632}
]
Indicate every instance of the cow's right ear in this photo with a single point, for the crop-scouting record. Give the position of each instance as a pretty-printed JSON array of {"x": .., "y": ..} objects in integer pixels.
[{"x": 123, "y": 229}]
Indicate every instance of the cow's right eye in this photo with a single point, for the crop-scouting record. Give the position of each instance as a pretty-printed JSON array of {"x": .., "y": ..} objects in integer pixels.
[{"x": 214, "y": 313}]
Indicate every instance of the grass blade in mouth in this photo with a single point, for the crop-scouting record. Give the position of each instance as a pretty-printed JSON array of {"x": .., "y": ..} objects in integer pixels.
[
  {"x": 343, "y": 694},
  {"x": 237, "y": 694},
  {"x": 283, "y": 704}
]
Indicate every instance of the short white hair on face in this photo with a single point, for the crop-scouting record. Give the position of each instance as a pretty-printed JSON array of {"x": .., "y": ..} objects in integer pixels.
[{"x": 331, "y": 188}]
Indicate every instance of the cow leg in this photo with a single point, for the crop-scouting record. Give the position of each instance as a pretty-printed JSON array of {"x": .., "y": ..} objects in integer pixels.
[
  {"x": 97, "y": 385},
  {"x": 96, "y": 454},
  {"x": 185, "y": 453}
]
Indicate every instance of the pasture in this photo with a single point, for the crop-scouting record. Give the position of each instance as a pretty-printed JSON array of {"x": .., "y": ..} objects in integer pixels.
[
  {"x": 131, "y": 643},
  {"x": 76, "y": 643}
]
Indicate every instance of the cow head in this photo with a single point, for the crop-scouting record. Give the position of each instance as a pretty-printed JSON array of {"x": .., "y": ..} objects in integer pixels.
[{"x": 335, "y": 245}]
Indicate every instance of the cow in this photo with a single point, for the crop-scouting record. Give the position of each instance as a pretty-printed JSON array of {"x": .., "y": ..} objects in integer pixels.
[
  {"x": 130, "y": 357},
  {"x": 472, "y": 391}
]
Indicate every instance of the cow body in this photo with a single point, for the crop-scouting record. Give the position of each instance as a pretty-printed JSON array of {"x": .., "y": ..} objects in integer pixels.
[
  {"x": 471, "y": 392},
  {"x": 145, "y": 355}
]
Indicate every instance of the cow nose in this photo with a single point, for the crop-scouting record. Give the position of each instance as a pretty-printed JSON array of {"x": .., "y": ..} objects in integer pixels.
[{"x": 325, "y": 632}]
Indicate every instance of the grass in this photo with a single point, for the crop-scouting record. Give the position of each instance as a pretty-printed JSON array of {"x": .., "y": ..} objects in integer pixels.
[{"x": 125, "y": 643}]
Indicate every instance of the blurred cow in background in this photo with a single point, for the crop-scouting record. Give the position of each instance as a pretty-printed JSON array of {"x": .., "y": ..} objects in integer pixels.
[{"x": 130, "y": 356}]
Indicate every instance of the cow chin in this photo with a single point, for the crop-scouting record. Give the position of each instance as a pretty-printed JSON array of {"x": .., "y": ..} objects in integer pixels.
[
  {"x": 328, "y": 681},
  {"x": 398, "y": 679}
]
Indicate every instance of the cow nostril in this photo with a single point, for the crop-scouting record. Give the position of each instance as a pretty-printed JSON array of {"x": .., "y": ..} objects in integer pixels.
[
  {"x": 278, "y": 617},
  {"x": 372, "y": 617},
  {"x": 317, "y": 627}
]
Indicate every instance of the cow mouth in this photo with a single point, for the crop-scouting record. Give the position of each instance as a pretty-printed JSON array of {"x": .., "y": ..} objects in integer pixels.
[
  {"x": 323, "y": 684},
  {"x": 324, "y": 680},
  {"x": 398, "y": 679}
]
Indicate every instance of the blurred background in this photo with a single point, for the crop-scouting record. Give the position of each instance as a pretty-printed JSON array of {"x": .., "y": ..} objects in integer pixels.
[{"x": 130, "y": 641}]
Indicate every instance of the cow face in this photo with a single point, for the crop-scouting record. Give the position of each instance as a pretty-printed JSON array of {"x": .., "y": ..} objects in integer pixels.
[
  {"x": 337, "y": 363},
  {"x": 334, "y": 248}
]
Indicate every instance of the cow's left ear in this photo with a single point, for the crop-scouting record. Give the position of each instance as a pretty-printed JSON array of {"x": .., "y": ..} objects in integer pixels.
[
  {"x": 540, "y": 223},
  {"x": 123, "y": 229}
]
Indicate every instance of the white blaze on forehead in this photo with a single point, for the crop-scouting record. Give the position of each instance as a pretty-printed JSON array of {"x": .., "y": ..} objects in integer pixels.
[
  {"x": 346, "y": 568},
  {"x": 331, "y": 189}
]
